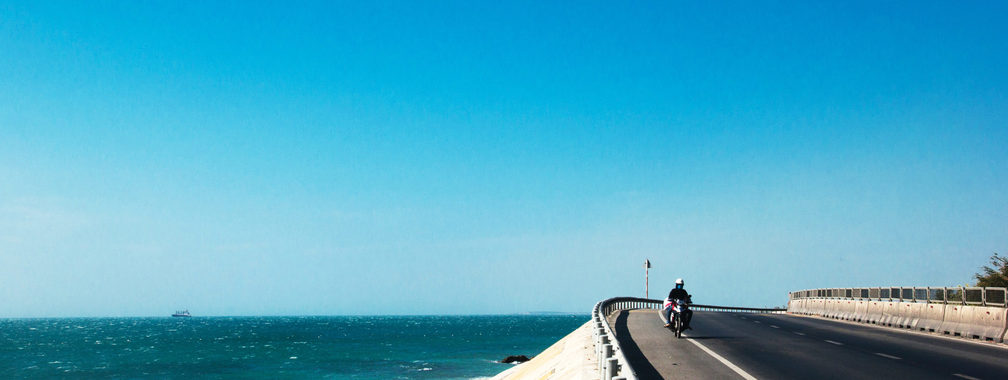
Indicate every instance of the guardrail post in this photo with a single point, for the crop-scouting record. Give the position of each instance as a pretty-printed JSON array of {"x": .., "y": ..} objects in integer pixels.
[
  {"x": 612, "y": 369},
  {"x": 607, "y": 352},
  {"x": 602, "y": 341}
]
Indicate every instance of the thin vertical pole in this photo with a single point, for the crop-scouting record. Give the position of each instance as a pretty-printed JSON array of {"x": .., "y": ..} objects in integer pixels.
[{"x": 647, "y": 268}]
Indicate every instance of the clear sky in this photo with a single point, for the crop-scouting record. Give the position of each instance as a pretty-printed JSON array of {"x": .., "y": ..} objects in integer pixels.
[{"x": 421, "y": 157}]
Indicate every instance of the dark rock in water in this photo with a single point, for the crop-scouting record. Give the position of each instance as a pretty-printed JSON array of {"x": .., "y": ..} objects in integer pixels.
[{"x": 515, "y": 359}]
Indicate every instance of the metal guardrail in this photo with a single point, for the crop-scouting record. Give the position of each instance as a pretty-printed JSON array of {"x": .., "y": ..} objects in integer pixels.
[
  {"x": 612, "y": 364},
  {"x": 736, "y": 309}
]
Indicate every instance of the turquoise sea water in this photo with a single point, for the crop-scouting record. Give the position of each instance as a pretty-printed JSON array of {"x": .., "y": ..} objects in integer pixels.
[{"x": 393, "y": 347}]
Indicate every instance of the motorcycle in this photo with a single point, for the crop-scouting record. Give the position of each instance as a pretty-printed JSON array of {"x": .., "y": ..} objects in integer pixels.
[{"x": 672, "y": 309}]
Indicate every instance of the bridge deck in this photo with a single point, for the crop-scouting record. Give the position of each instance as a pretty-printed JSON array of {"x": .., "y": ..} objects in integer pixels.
[{"x": 789, "y": 347}]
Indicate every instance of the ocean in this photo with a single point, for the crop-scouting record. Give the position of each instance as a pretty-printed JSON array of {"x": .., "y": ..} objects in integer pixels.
[{"x": 364, "y": 347}]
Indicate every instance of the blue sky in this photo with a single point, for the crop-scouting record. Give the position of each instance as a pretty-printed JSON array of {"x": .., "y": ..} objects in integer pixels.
[{"x": 254, "y": 158}]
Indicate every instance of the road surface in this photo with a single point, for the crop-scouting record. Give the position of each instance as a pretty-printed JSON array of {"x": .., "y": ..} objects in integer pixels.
[{"x": 776, "y": 346}]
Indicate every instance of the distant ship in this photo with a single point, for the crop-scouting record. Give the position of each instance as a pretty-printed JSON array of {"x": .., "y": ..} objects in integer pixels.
[{"x": 183, "y": 313}]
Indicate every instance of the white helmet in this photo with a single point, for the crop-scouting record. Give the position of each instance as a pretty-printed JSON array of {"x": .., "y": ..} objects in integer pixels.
[{"x": 679, "y": 281}]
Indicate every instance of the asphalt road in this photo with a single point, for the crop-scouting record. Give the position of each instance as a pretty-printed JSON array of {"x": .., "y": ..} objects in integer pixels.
[{"x": 765, "y": 346}]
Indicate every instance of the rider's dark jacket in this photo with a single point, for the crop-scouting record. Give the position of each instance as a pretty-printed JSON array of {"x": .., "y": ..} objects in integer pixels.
[{"x": 679, "y": 294}]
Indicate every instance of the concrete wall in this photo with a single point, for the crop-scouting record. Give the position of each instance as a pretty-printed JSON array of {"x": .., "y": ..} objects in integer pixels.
[
  {"x": 973, "y": 321},
  {"x": 568, "y": 358}
]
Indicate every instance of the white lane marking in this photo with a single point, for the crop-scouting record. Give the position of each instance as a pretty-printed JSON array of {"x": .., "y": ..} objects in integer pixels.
[
  {"x": 832, "y": 342},
  {"x": 964, "y": 376},
  {"x": 774, "y": 326},
  {"x": 888, "y": 356},
  {"x": 755, "y": 321},
  {"x": 740, "y": 371},
  {"x": 799, "y": 333}
]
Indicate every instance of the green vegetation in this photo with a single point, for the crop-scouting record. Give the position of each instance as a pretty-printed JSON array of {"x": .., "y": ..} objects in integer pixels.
[{"x": 995, "y": 274}]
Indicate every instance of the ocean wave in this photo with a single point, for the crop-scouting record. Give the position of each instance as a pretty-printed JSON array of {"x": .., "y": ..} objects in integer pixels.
[{"x": 144, "y": 346}]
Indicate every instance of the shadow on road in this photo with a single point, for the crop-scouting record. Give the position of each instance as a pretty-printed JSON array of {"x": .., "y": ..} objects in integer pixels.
[{"x": 633, "y": 353}]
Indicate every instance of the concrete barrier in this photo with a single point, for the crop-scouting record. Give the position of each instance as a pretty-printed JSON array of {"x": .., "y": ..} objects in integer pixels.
[
  {"x": 815, "y": 306},
  {"x": 874, "y": 312},
  {"x": 860, "y": 310},
  {"x": 854, "y": 306},
  {"x": 952, "y": 324},
  {"x": 866, "y": 306},
  {"x": 831, "y": 308},
  {"x": 916, "y": 312},
  {"x": 932, "y": 317},
  {"x": 846, "y": 309},
  {"x": 849, "y": 308},
  {"x": 841, "y": 309},
  {"x": 901, "y": 310},
  {"x": 889, "y": 314},
  {"x": 906, "y": 315},
  {"x": 971, "y": 312},
  {"x": 803, "y": 306},
  {"x": 984, "y": 323}
]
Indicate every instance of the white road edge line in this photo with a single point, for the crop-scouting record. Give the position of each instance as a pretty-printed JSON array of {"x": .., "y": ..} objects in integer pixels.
[
  {"x": 964, "y": 376},
  {"x": 740, "y": 371},
  {"x": 888, "y": 356},
  {"x": 832, "y": 342}
]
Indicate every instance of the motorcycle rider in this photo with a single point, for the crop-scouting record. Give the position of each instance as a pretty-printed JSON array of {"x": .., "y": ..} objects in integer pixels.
[{"x": 680, "y": 295}]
